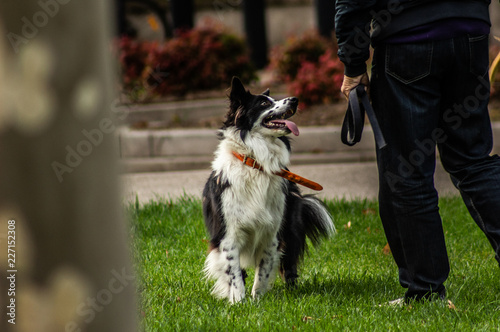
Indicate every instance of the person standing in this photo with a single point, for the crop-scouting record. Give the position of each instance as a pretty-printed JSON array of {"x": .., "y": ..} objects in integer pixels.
[{"x": 429, "y": 87}]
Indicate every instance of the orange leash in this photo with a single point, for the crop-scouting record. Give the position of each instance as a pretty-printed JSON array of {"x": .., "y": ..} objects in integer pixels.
[{"x": 283, "y": 173}]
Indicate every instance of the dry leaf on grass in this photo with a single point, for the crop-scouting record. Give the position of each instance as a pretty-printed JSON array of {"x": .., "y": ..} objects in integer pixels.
[
  {"x": 369, "y": 211},
  {"x": 308, "y": 318},
  {"x": 386, "y": 250}
]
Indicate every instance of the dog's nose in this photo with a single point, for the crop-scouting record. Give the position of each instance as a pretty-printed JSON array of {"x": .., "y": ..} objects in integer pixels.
[{"x": 293, "y": 101}]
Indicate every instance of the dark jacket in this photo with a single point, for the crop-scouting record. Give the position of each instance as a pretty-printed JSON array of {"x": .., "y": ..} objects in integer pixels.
[{"x": 361, "y": 22}]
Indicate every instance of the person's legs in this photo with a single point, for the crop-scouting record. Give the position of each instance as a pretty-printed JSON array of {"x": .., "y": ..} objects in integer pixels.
[
  {"x": 465, "y": 153},
  {"x": 406, "y": 95}
]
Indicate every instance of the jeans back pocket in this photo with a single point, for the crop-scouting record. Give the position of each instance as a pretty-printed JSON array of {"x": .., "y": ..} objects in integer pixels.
[
  {"x": 479, "y": 57},
  {"x": 408, "y": 62}
]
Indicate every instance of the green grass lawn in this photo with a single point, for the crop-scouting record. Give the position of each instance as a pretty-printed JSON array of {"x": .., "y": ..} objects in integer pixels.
[{"x": 341, "y": 284}]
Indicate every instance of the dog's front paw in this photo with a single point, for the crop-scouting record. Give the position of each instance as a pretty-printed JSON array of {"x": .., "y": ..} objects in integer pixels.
[
  {"x": 234, "y": 292},
  {"x": 236, "y": 295},
  {"x": 258, "y": 292}
]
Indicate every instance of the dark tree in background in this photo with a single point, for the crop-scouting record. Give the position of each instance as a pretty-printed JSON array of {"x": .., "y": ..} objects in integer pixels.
[
  {"x": 182, "y": 14},
  {"x": 120, "y": 17},
  {"x": 254, "y": 18}
]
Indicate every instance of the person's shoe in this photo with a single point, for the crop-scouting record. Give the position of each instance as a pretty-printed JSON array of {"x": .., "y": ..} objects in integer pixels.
[
  {"x": 407, "y": 301},
  {"x": 397, "y": 302},
  {"x": 394, "y": 303}
]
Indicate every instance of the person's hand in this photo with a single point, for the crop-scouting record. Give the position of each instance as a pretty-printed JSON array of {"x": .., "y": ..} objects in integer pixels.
[{"x": 350, "y": 83}]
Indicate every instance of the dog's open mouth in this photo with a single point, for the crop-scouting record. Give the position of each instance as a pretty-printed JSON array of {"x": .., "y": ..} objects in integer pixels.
[{"x": 280, "y": 122}]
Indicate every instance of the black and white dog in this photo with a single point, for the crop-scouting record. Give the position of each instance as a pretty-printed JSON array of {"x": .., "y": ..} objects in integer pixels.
[{"x": 254, "y": 217}]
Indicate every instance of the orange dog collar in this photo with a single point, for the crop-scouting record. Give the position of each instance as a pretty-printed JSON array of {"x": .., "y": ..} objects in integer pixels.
[{"x": 283, "y": 173}]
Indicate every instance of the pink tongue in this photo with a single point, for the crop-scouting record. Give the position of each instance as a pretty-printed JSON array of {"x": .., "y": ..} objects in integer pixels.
[{"x": 290, "y": 125}]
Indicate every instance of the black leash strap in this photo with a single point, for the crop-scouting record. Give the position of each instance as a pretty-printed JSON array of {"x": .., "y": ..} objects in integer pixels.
[{"x": 354, "y": 119}]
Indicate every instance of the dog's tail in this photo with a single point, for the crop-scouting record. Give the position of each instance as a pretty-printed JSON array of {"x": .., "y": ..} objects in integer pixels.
[
  {"x": 317, "y": 221},
  {"x": 306, "y": 216}
]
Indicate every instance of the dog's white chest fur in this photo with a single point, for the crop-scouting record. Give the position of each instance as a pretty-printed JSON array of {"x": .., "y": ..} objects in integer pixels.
[{"x": 254, "y": 202}]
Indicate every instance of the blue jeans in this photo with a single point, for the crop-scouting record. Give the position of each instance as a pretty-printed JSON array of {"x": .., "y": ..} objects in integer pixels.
[{"x": 427, "y": 95}]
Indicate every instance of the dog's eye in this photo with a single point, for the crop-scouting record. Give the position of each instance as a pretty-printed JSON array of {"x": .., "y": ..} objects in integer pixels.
[{"x": 265, "y": 103}]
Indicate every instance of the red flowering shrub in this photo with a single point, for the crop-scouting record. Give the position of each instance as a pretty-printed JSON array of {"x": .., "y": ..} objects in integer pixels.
[
  {"x": 310, "y": 67},
  {"x": 198, "y": 59},
  {"x": 318, "y": 82},
  {"x": 132, "y": 57},
  {"x": 286, "y": 60}
]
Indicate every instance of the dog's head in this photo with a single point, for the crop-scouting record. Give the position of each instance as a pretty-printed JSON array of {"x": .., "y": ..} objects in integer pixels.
[{"x": 260, "y": 113}]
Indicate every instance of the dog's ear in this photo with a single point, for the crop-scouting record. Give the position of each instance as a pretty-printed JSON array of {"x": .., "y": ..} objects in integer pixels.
[
  {"x": 266, "y": 93},
  {"x": 237, "y": 97},
  {"x": 238, "y": 92}
]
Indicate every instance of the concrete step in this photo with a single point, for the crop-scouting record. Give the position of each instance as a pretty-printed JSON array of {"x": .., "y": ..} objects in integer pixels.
[
  {"x": 172, "y": 113},
  {"x": 190, "y": 149},
  {"x": 196, "y": 142},
  {"x": 188, "y": 163}
]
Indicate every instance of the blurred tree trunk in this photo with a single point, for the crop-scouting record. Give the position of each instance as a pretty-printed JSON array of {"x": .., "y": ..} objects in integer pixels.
[
  {"x": 325, "y": 15},
  {"x": 58, "y": 177},
  {"x": 254, "y": 17}
]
